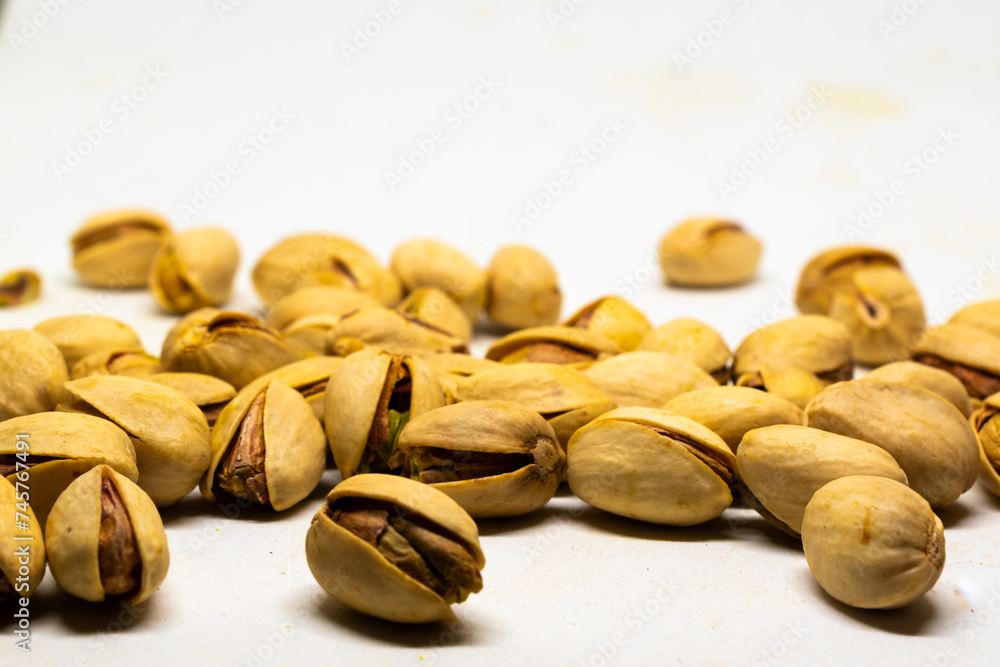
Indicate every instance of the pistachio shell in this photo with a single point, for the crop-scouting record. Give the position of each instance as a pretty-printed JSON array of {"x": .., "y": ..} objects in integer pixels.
[
  {"x": 940, "y": 382},
  {"x": 519, "y": 472},
  {"x": 33, "y": 372},
  {"x": 653, "y": 466},
  {"x": 231, "y": 346},
  {"x": 647, "y": 379},
  {"x": 209, "y": 393},
  {"x": 423, "y": 263},
  {"x": 308, "y": 334},
  {"x": 831, "y": 270},
  {"x": 730, "y": 412},
  {"x": 116, "y": 248},
  {"x": 15, "y": 536},
  {"x": 450, "y": 368},
  {"x": 984, "y": 315},
  {"x": 781, "y": 467},
  {"x": 558, "y": 344},
  {"x": 76, "y": 336},
  {"x": 969, "y": 353},
  {"x": 986, "y": 423},
  {"x": 320, "y": 259},
  {"x": 926, "y": 434},
  {"x": 692, "y": 340},
  {"x": 195, "y": 269},
  {"x": 390, "y": 331},
  {"x": 129, "y": 363},
  {"x": 354, "y": 397},
  {"x": 522, "y": 289},
  {"x": 615, "y": 319},
  {"x": 358, "y": 575},
  {"x": 434, "y": 307},
  {"x": 814, "y": 343},
  {"x": 793, "y": 384},
  {"x": 317, "y": 300},
  {"x": 68, "y": 446},
  {"x": 169, "y": 432},
  {"x": 73, "y": 529},
  {"x": 19, "y": 287},
  {"x": 709, "y": 252},
  {"x": 872, "y": 543}
]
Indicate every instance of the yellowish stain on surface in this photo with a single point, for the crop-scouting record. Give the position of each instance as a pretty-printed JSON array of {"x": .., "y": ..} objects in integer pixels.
[{"x": 865, "y": 102}]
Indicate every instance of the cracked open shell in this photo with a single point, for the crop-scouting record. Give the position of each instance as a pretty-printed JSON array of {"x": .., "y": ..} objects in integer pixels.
[
  {"x": 615, "y": 319},
  {"x": 209, "y": 393},
  {"x": 116, "y": 248},
  {"x": 986, "y": 423},
  {"x": 317, "y": 300},
  {"x": 984, "y": 315},
  {"x": 969, "y": 353},
  {"x": 831, "y": 271},
  {"x": 76, "y": 336},
  {"x": 391, "y": 331},
  {"x": 13, "y": 537},
  {"x": 555, "y": 345},
  {"x": 940, "y": 382},
  {"x": 195, "y": 269},
  {"x": 709, "y": 252},
  {"x": 128, "y": 363}
]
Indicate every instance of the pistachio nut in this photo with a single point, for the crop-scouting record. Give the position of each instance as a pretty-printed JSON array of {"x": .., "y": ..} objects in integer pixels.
[
  {"x": 321, "y": 259},
  {"x": 969, "y": 353},
  {"x": 792, "y": 384},
  {"x": 494, "y": 458},
  {"x": 831, "y": 271},
  {"x": 813, "y": 343},
  {"x": 872, "y": 543},
  {"x": 986, "y": 423},
  {"x": 268, "y": 449},
  {"x": 22, "y": 546},
  {"x": 927, "y": 435},
  {"x": 653, "y": 466},
  {"x": 129, "y": 363},
  {"x": 394, "y": 548},
  {"x": 730, "y": 412},
  {"x": 450, "y": 368},
  {"x": 423, "y": 262},
  {"x": 940, "y": 382},
  {"x": 984, "y": 314},
  {"x": 390, "y": 331},
  {"x": 554, "y": 345},
  {"x": 709, "y": 252},
  {"x": 317, "y": 300},
  {"x": 692, "y": 340},
  {"x": 781, "y": 467},
  {"x": 522, "y": 289},
  {"x": 309, "y": 377},
  {"x": 105, "y": 539},
  {"x": 615, "y": 319},
  {"x": 76, "y": 336},
  {"x": 308, "y": 335},
  {"x": 170, "y": 433},
  {"x": 209, "y": 393},
  {"x": 369, "y": 399},
  {"x": 431, "y": 305},
  {"x": 20, "y": 286},
  {"x": 883, "y": 311},
  {"x": 647, "y": 379},
  {"x": 33, "y": 372},
  {"x": 565, "y": 397},
  {"x": 116, "y": 248},
  {"x": 195, "y": 269},
  {"x": 61, "y": 447},
  {"x": 234, "y": 347}
]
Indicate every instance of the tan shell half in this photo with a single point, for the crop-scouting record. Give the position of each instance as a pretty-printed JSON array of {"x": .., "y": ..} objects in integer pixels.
[
  {"x": 33, "y": 372},
  {"x": 984, "y": 315},
  {"x": 429, "y": 263},
  {"x": 202, "y": 390},
  {"x": 647, "y": 379},
  {"x": 940, "y": 382},
  {"x": 522, "y": 289},
  {"x": 356, "y": 574},
  {"x": 793, "y": 384},
  {"x": 128, "y": 363},
  {"x": 830, "y": 271},
  {"x": 432, "y": 306},
  {"x": 615, "y": 319},
  {"x": 986, "y": 423},
  {"x": 555, "y": 344},
  {"x": 13, "y": 538},
  {"x": 195, "y": 269},
  {"x": 318, "y": 300},
  {"x": 692, "y": 340},
  {"x": 76, "y": 336},
  {"x": 116, "y": 248},
  {"x": 814, "y": 343},
  {"x": 73, "y": 529},
  {"x": 390, "y": 331},
  {"x": 709, "y": 252},
  {"x": 309, "y": 377},
  {"x": 967, "y": 346}
]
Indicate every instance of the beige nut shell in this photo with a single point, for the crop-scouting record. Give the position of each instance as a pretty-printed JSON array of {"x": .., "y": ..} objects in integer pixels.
[
  {"x": 105, "y": 259},
  {"x": 940, "y": 382},
  {"x": 33, "y": 372},
  {"x": 317, "y": 300},
  {"x": 709, "y": 252},
  {"x": 814, "y": 343},
  {"x": 195, "y": 269},
  {"x": 76, "y": 336},
  {"x": 692, "y": 340},
  {"x": 522, "y": 289},
  {"x": 615, "y": 319},
  {"x": 592, "y": 344},
  {"x": 647, "y": 379},
  {"x": 425, "y": 262},
  {"x": 13, "y": 538}
]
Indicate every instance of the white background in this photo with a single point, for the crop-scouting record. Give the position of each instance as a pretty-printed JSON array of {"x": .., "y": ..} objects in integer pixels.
[{"x": 567, "y": 583}]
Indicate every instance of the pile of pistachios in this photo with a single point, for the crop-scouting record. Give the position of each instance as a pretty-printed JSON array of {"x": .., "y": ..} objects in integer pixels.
[{"x": 370, "y": 365}]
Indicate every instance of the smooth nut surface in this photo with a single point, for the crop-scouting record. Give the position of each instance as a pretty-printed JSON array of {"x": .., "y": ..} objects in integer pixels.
[
  {"x": 522, "y": 289},
  {"x": 647, "y": 379},
  {"x": 940, "y": 382},
  {"x": 873, "y": 543},
  {"x": 429, "y": 263},
  {"x": 209, "y": 393},
  {"x": 692, "y": 340},
  {"x": 76, "y": 336},
  {"x": 33, "y": 372},
  {"x": 795, "y": 385},
  {"x": 316, "y": 300},
  {"x": 394, "y": 548},
  {"x": 984, "y": 315},
  {"x": 116, "y": 248},
  {"x": 813, "y": 343},
  {"x": 195, "y": 269},
  {"x": 970, "y": 353},
  {"x": 615, "y": 319},
  {"x": 19, "y": 578},
  {"x": 709, "y": 252}
]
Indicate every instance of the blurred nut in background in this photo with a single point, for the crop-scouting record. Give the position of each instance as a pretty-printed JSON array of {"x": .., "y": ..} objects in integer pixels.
[
  {"x": 19, "y": 578},
  {"x": 831, "y": 271},
  {"x": 195, "y": 269},
  {"x": 522, "y": 289},
  {"x": 129, "y": 363},
  {"x": 709, "y": 252},
  {"x": 986, "y": 422},
  {"x": 432, "y": 306},
  {"x": 940, "y": 382},
  {"x": 647, "y": 379},
  {"x": 428, "y": 263},
  {"x": 33, "y": 372},
  {"x": 692, "y": 340},
  {"x": 652, "y": 466},
  {"x": 394, "y": 548},
  {"x": 116, "y": 249},
  {"x": 388, "y": 330},
  {"x": 76, "y": 336},
  {"x": 494, "y": 458},
  {"x": 19, "y": 287},
  {"x": 105, "y": 539},
  {"x": 615, "y": 319},
  {"x": 554, "y": 345},
  {"x": 234, "y": 347},
  {"x": 872, "y": 543},
  {"x": 969, "y": 353},
  {"x": 315, "y": 300},
  {"x": 984, "y": 315}
]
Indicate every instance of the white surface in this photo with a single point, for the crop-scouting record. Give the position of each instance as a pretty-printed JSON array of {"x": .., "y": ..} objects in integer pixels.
[{"x": 568, "y": 582}]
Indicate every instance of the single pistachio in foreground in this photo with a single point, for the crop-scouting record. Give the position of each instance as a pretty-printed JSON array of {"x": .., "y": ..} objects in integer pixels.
[{"x": 814, "y": 343}]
